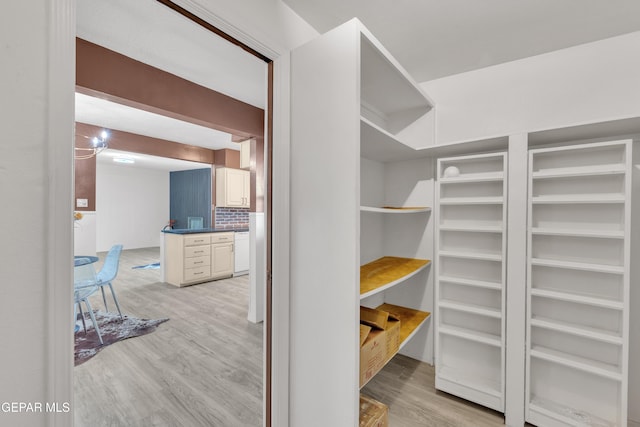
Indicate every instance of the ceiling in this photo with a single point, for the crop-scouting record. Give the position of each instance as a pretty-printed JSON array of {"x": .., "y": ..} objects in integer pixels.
[
  {"x": 437, "y": 38},
  {"x": 152, "y": 33},
  {"x": 144, "y": 161}
]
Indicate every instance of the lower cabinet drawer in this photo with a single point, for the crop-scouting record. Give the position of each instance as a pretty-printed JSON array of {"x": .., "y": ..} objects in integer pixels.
[
  {"x": 197, "y": 251},
  {"x": 198, "y": 261},
  {"x": 197, "y": 273}
]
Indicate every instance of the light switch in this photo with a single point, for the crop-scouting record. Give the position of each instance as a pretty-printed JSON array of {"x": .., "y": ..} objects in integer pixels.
[{"x": 82, "y": 203}]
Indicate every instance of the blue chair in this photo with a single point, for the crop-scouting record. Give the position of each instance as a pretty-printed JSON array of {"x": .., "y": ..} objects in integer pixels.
[
  {"x": 108, "y": 273},
  {"x": 85, "y": 284}
]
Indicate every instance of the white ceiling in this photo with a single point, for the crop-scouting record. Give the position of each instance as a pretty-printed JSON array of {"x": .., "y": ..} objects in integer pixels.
[
  {"x": 436, "y": 38},
  {"x": 145, "y": 161},
  {"x": 152, "y": 33}
]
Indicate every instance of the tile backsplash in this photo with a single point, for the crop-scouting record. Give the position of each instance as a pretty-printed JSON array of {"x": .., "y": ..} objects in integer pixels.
[{"x": 231, "y": 218}]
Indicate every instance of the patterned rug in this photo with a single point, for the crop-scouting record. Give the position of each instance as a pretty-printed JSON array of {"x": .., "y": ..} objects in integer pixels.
[{"x": 113, "y": 329}]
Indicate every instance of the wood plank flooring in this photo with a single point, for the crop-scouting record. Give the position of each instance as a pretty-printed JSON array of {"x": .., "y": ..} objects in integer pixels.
[
  {"x": 201, "y": 368},
  {"x": 204, "y": 366}
]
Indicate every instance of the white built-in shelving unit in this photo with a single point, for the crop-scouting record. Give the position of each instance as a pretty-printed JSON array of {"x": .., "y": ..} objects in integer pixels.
[
  {"x": 578, "y": 284},
  {"x": 470, "y": 277},
  {"x": 360, "y": 210}
]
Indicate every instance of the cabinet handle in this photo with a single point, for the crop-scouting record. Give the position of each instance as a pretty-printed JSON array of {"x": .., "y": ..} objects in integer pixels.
[
  {"x": 198, "y": 272},
  {"x": 198, "y": 262}
]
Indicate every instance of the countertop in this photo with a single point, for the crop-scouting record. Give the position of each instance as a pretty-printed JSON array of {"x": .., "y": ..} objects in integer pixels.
[{"x": 203, "y": 230}]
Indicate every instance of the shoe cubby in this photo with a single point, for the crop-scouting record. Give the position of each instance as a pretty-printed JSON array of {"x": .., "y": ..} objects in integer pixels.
[{"x": 578, "y": 284}]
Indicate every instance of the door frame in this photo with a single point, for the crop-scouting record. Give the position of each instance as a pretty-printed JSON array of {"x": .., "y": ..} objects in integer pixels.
[{"x": 61, "y": 83}]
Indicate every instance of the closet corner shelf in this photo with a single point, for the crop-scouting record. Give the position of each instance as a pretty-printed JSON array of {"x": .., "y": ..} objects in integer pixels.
[
  {"x": 395, "y": 209},
  {"x": 410, "y": 320},
  {"x": 387, "y": 272},
  {"x": 473, "y": 177}
]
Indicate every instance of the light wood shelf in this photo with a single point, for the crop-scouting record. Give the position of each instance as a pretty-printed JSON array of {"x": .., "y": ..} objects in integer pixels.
[
  {"x": 386, "y": 272},
  {"x": 410, "y": 320},
  {"x": 395, "y": 210}
]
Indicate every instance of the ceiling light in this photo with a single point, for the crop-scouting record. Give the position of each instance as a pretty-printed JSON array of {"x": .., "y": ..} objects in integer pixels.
[
  {"x": 126, "y": 160},
  {"x": 98, "y": 144}
]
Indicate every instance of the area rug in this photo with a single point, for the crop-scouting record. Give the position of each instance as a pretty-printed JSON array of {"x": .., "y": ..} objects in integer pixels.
[
  {"x": 113, "y": 329},
  {"x": 147, "y": 266}
]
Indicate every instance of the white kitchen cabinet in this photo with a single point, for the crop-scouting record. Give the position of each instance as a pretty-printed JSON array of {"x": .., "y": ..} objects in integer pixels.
[
  {"x": 471, "y": 277},
  {"x": 232, "y": 188},
  {"x": 578, "y": 284},
  {"x": 242, "y": 253},
  {"x": 195, "y": 258},
  {"x": 354, "y": 111},
  {"x": 245, "y": 154}
]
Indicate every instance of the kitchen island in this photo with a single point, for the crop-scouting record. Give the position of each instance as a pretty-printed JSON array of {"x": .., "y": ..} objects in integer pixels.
[{"x": 192, "y": 256}]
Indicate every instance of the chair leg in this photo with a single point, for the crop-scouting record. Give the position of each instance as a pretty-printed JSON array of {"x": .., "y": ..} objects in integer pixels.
[
  {"x": 104, "y": 299},
  {"x": 84, "y": 325},
  {"x": 93, "y": 319},
  {"x": 115, "y": 298}
]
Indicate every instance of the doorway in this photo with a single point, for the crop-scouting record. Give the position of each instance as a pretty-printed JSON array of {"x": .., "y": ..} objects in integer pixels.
[{"x": 256, "y": 176}]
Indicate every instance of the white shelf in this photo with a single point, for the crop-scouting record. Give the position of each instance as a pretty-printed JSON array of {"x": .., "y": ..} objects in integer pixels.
[
  {"x": 579, "y": 299},
  {"x": 395, "y": 210},
  {"x": 578, "y": 171},
  {"x": 471, "y": 282},
  {"x": 570, "y": 232},
  {"x": 480, "y": 337},
  {"x": 380, "y": 145},
  {"x": 471, "y": 255},
  {"x": 600, "y": 268},
  {"x": 480, "y": 384},
  {"x": 580, "y": 331},
  {"x": 473, "y": 177},
  {"x": 470, "y": 308},
  {"x": 576, "y": 362},
  {"x": 543, "y": 410},
  {"x": 472, "y": 228},
  {"x": 472, "y": 201},
  {"x": 587, "y": 199}
]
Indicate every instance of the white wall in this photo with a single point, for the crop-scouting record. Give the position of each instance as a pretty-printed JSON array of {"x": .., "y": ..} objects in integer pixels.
[
  {"x": 589, "y": 83},
  {"x": 35, "y": 189},
  {"x": 132, "y": 206}
]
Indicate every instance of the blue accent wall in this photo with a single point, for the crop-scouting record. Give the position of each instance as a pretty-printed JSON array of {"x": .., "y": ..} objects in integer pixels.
[{"x": 190, "y": 195}]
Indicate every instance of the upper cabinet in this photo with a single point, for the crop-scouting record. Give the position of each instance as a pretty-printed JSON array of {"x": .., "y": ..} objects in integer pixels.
[
  {"x": 245, "y": 154},
  {"x": 232, "y": 188}
]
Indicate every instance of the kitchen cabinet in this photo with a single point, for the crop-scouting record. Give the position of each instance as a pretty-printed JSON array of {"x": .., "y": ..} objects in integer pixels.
[
  {"x": 197, "y": 258},
  {"x": 232, "y": 188},
  {"x": 245, "y": 154}
]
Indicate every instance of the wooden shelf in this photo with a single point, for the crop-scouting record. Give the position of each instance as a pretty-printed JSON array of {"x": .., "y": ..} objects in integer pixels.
[
  {"x": 576, "y": 362},
  {"x": 410, "y": 320},
  {"x": 471, "y": 201},
  {"x": 600, "y": 268},
  {"x": 386, "y": 272},
  {"x": 471, "y": 282},
  {"x": 471, "y": 308},
  {"x": 395, "y": 210},
  {"x": 580, "y": 331},
  {"x": 569, "y": 232},
  {"x": 471, "y": 255},
  {"x": 579, "y": 299},
  {"x": 578, "y": 171}
]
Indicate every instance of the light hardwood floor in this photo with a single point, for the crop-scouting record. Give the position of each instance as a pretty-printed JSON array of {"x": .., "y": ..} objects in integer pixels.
[
  {"x": 204, "y": 366},
  {"x": 201, "y": 368}
]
